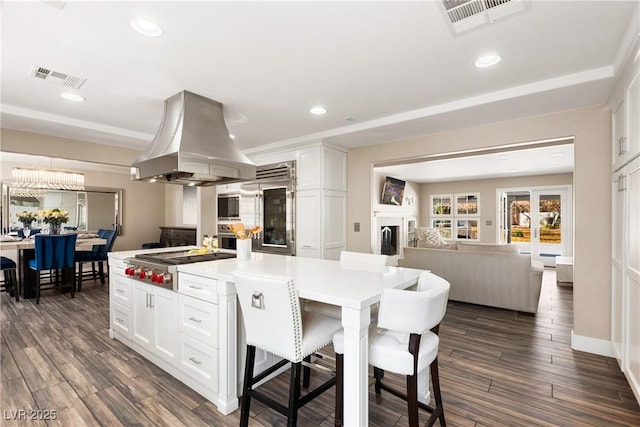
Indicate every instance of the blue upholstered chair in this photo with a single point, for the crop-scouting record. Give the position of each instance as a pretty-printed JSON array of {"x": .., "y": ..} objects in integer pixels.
[
  {"x": 97, "y": 255},
  {"x": 34, "y": 231},
  {"x": 8, "y": 267},
  {"x": 55, "y": 252}
]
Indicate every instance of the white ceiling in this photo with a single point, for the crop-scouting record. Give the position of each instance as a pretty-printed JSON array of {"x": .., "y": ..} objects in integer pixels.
[{"x": 394, "y": 68}]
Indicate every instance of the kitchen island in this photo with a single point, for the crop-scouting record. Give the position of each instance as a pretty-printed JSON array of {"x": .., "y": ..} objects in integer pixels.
[{"x": 193, "y": 332}]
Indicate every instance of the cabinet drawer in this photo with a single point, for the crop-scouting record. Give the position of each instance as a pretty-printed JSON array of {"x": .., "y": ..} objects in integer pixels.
[
  {"x": 199, "y": 361},
  {"x": 198, "y": 319},
  {"x": 117, "y": 266},
  {"x": 121, "y": 320},
  {"x": 120, "y": 290},
  {"x": 198, "y": 287}
]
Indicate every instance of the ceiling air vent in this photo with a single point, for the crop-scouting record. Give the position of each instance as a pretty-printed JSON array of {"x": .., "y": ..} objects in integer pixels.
[
  {"x": 465, "y": 15},
  {"x": 57, "y": 77}
]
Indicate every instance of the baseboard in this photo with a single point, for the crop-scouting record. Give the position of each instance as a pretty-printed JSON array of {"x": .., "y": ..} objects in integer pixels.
[{"x": 592, "y": 345}]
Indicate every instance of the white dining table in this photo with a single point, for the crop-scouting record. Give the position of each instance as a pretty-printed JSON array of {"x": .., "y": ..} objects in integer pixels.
[{"x": 353, "y": 287}]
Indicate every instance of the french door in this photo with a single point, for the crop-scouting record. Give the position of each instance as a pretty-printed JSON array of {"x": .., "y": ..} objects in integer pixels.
[{"x": 538, "y": 220}]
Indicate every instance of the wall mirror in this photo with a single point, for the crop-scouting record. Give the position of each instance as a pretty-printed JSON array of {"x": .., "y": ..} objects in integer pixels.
[{"x": 89, "y": 210}]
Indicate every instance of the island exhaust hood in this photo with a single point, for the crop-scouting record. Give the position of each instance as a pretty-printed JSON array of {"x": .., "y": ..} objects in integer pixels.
[{"x": 193, "y": 146}]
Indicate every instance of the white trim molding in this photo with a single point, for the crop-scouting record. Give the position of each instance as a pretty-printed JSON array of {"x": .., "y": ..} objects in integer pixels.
[{"x": 592, "y": 345}]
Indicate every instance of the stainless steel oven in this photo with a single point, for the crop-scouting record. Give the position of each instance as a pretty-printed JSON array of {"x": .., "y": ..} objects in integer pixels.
[
  {"x": 226, "y": 238},
  {"x": 229, "y": 207}
]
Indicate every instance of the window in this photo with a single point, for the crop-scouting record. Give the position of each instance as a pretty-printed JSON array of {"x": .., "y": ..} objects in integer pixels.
[{"x": 460, "y": 221}]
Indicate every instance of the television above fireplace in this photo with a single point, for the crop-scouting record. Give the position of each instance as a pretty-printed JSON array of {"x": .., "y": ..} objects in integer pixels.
[{"x": 393, "y": 191}]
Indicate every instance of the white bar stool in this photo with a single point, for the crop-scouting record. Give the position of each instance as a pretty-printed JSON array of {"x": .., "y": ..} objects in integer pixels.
[
  {"x": 274, "y": 322},
  {"x": 405, "y": 342}
]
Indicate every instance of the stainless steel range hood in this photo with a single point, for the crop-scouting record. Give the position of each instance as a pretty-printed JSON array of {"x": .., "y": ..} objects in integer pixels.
[{"x": 193, "y": 146}]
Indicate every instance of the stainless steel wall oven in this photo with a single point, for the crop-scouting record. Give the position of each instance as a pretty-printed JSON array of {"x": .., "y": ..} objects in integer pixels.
[{"x": 229, "y": 207}]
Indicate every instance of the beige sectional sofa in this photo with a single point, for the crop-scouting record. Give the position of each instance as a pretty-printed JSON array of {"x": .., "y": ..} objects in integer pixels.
[{"x": 492, "y": 275}]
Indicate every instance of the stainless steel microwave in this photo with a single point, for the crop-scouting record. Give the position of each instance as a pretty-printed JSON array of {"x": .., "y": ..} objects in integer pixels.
[{"x": 229, "y": 207}]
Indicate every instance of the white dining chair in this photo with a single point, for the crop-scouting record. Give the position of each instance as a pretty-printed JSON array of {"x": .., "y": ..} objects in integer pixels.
[
  {"x": 405, "y": 342},
  {"x": 274, "y": 322}
]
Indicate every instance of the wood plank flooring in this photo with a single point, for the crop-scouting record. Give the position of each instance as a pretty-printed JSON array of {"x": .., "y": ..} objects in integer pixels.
[{"x": 497, "y": 368}]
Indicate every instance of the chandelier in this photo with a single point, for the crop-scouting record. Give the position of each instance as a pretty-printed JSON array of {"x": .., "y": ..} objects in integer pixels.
[
  {"x": 39, "y": 179},
  {"x": 30, "y": 193}
]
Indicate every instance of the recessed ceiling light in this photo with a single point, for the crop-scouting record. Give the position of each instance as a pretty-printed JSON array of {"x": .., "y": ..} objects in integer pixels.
[
  {"x": 318, "y": 110},
  {"x": 487, "y": 61},
  {"x": 232, "y": 136},
  {"x": 72, "y": 97},
  {"x": 146, "y": 27}
]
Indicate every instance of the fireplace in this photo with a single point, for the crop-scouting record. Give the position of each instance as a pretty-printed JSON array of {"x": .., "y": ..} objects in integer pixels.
[
  {"x": 389, "y": 236},
  {"x": 389, "y": 239}
]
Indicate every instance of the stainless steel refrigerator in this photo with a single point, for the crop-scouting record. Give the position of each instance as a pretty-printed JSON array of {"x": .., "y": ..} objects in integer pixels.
[{"x": 269, "y": 202}]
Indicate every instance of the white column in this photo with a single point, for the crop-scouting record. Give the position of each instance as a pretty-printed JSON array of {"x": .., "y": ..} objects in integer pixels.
[
  {"x": 356, "y": 362},
  {"x": 227, "y": 356}
]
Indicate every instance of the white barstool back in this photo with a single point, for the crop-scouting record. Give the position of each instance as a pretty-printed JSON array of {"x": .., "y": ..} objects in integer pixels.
[
  {"x": 271, "y": 312},
  {"x": 414, "y": 312},
  {"x": 274, "y": 322}
]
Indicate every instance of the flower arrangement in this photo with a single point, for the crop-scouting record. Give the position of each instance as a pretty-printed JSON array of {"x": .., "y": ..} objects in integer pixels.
[
  {"x": 26, "y": 218},
  {"x": 242, "y": 233},
  {"x": 54, "y": 217}
]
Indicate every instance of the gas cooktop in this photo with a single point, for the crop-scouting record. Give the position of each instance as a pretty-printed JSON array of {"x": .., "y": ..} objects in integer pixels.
[{"x": 183, "y": 257}]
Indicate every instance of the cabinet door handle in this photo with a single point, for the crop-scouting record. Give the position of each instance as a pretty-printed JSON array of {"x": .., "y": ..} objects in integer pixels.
[
  {"x": 195, "y": 319},
  {"x": 195, "y": 361},
  {"x": 120, "y": 291},
  {"x": 195, "y": 287},
  {"x": 622, "y": 145},
  {"x": 622, "y": 183},
  {"x": 307, "y": 247},
  {"x": 147, "y": 301},
  {"x": 119, "y": 320},
  {"x": 150, "y": 301}
]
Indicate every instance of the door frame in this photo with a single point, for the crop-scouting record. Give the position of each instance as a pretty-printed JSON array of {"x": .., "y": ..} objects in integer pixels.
[{"x": 566, "y": 212}]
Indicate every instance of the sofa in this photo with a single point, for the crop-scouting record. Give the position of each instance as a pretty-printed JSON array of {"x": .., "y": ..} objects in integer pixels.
[{"x": 493, "y": 275}]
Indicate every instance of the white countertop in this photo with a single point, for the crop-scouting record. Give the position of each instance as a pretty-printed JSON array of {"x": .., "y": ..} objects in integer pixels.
[{"x": 332, "y": 282}]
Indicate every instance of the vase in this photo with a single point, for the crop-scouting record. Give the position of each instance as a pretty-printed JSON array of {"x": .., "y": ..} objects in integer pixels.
[
  {"x": 26, "y": 229},
  {"x": 243, "y": 249},
  {"x": 54, "y": 229}
]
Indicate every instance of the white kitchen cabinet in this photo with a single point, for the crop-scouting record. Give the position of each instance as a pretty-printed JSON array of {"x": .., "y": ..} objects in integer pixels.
[
  {"x": 617, "y": 251},
  {"x": 309, "y": 224},
  {"x": 321, "y": 229},
  {"x": 624, "y": 102},
  {"x": 198, "y": 341},
  {"x": 120, "y": 288},
  {"x": 321, "y": 202},
  {"x": 631, "y": 276},
  {"x": 155, "y": 320}
]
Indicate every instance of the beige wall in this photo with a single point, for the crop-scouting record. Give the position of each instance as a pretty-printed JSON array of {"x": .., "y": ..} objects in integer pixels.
[
  {"x": 143, "y": 203},
  {"x": 488, "y": 201},
  {"x": 592, "y": 130}
]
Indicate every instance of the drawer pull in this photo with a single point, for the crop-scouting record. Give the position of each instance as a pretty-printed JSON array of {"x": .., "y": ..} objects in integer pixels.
[
  {"x": 195, "y": 361},
  {"x": 194, "y": 319},
  {"x": 195, "y": 287},
  {"x": 119, "y": 320},
  {"x": 120, "y": 291}
]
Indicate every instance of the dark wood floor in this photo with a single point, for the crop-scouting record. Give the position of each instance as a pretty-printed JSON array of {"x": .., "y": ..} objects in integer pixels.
[{"x": 498, "y": 368}]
